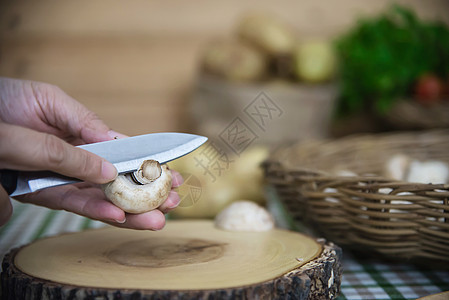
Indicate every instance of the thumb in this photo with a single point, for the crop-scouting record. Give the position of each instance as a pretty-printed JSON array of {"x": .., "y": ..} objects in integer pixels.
[{"x": 26, "y": 149}]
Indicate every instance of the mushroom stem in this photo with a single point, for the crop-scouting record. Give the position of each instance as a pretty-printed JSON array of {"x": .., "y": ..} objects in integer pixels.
[{"x": 149, "y": 171}]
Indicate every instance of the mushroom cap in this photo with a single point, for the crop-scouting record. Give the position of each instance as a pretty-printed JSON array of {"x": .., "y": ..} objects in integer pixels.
[
  {"x": 244, "y": 216},
  {"x": 139, "y": 198}
]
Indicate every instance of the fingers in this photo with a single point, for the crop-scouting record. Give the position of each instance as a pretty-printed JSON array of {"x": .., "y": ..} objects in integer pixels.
[
  {"x": 172, "y": 202},
  {"x": 152, "y": 220},
  {"x": 89, "y": 202},
  {"x": 5, "y": 207},
  {"x": 47, "y": 108},
  {"x": 173, "y": 199},
  {"x": 69, "y": 115},
  {"x": 177, "y": 179},
  {"x": 65, "y": 113},
  {"x": 26, "y": 149}
]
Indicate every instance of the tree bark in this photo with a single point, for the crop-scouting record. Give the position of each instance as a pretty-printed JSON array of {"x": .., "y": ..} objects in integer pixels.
[{"x": 317, "y": 278}]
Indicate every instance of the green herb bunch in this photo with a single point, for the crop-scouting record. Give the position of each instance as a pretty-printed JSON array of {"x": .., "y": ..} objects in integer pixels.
[{"x": 381, "y": 57}]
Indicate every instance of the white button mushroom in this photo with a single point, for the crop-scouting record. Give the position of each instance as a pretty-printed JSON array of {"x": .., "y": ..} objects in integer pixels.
[
  {"x": 397, "y": 166},
  {"x": 141, "y": 191},
  {"x": 244, "y": 216},
  {"x": 430, "y": 171}
]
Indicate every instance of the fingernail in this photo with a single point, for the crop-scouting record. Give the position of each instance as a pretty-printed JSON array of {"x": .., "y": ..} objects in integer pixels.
[
  {"x": 177, "y": 179},
  {"x": 174, "y": 206},
  {"x": 121, "y": 221},
  {"x": 115, "y": 135},
  {"x": 176, "y": 203},
  {"x": 108, "y": 171}
]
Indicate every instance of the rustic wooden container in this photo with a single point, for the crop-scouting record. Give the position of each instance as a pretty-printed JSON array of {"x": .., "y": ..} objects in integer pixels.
[
  {"x": 368, "y": 211},
  {"x": 293, "y": 111}
]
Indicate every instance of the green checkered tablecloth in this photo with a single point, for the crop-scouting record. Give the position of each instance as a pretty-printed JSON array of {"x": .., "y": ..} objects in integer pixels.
[
  {"x": 375, "y": 279},
  {"x": 362, "y": 278}
]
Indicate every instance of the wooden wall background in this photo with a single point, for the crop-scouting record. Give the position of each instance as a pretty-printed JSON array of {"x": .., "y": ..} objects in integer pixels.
[{"x": 134, "y": 62}]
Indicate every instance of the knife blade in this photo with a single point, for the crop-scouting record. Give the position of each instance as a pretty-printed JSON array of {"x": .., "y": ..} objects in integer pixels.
[{"x": 125, "y": 154}]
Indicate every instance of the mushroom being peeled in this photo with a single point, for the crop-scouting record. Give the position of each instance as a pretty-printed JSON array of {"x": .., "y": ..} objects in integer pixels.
[{"x": 141, "y": 191}]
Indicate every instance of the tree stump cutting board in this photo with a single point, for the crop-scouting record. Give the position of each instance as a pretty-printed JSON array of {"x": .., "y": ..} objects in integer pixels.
[{"x": 186, "y": 260}]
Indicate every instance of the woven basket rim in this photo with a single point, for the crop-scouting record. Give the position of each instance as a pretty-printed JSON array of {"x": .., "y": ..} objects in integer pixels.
[
  {"x": 395, "y": 218},
  {"x": 436, "y": 134}
]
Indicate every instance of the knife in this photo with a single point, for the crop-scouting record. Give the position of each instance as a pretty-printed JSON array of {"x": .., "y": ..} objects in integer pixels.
[{"x": 125, "y": 154}]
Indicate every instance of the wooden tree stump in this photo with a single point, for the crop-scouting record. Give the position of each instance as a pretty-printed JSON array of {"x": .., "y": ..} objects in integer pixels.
[{"x": 186, "y": 260}]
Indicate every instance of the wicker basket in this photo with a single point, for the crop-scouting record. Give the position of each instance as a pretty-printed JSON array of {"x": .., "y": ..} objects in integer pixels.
[
  {"x": 410, "y": 115},
  {"x": 368, "y": 211}
]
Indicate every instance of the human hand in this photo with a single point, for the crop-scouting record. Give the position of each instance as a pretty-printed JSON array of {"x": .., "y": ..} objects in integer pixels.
[{"x": 39, "y": 124}]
